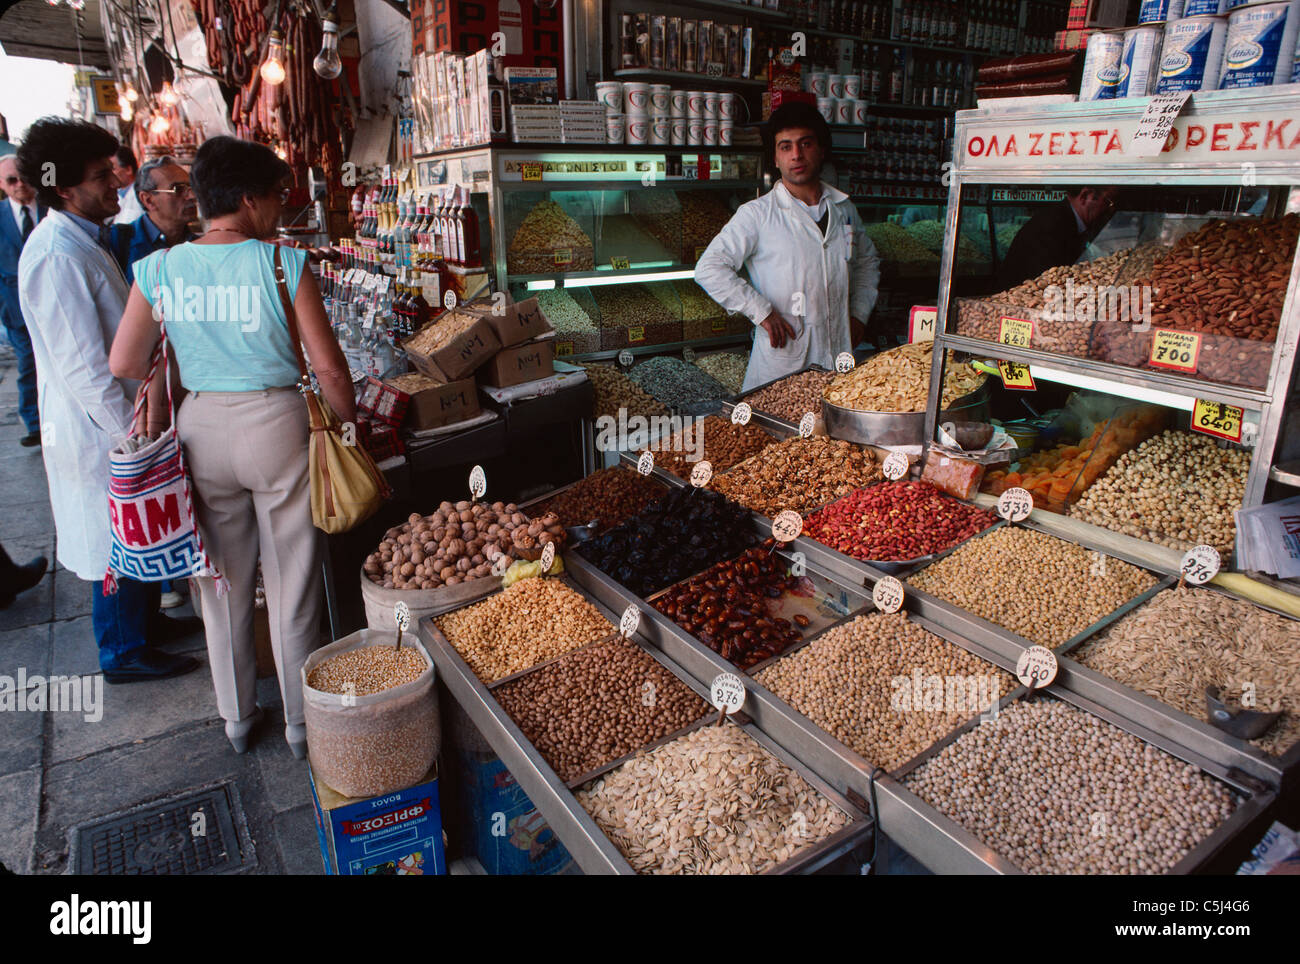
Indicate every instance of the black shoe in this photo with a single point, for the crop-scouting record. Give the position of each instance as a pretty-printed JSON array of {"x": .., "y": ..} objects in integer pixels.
[
  {"x": 30, "y": 440},
  {"x": 147, "y": 665},
  {"x": 168, "y": 629},
  {"x": 22, "y": 578}
]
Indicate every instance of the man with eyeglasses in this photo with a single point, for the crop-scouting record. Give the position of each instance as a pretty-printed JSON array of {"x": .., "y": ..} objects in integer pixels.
[
  {"x": 18, "y": 218},
  {"x": 1057, "y": 234},
  {"x": 164, "y": 190}
]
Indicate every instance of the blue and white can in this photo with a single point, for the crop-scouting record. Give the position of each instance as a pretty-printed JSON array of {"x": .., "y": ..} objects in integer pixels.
[
  {"x": 1192, "y": 57},
  {"x": 1139, "y": 62},
  {"x": 1101, "y": 65},
  {"x": 1156, "y": 11},
  {"x": 1295, "y": 64},
  {"x": 1205, "y": 8},
  {"x": 1234, "y": 4},
  {"x": 1261, "y": 45}
]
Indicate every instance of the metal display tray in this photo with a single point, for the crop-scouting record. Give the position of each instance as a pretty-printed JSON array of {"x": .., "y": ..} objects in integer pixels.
[
  {"x": 594, "y": 852},
  {"x": 937, "y": 841},
  {"x": 764, "y": 419}
]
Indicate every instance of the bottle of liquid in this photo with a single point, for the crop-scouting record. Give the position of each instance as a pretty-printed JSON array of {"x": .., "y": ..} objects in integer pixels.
[
  {"x": 469, "y": 247},
  {"x": 896, "y": 75}
]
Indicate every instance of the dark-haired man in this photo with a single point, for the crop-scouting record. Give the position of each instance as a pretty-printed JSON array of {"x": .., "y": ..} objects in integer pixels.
[
  {"x": 163, "y": 187},
  {"x": 73, "y": 294},
  {"x": 812, "y": 271},
  {"x": 19, "y": 215},
  {"x": 125, "y": 170},
  {"x": 1057, "y": 234}
]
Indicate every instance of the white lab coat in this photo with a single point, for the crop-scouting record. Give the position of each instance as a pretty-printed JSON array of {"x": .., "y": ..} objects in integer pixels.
[
  {"x": 131, "y": 207},
  {"x": 815, "y": 282},
  {"x": 73, "y": 295}
]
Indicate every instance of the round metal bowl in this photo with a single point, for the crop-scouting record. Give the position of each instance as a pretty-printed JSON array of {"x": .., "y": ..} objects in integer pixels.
[{"x": 899, "y": 428}]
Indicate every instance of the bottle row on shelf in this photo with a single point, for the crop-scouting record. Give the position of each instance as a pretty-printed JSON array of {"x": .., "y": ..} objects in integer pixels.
[
  {"x": 401, "y": 228},
  {"x": 990, "y": 26}
]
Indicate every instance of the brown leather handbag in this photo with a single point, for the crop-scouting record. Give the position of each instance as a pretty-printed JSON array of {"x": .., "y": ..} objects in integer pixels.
[{"x": 346, "y": 486}]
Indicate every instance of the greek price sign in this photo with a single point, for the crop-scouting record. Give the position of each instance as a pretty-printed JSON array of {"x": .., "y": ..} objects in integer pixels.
[
  {"x": 701, "y": 473},
  {"x": 1015, "y": 504},
  {"x": 787, "y": 526},
  {"x": 727, "y": 692},
  {"x": 741, "y": 414},
  {"x": 895, "y": 466},
  {"x": 630, "y": 621},
  {"x": 1036, "y": 667},
  {"x": 887, "y": 594},
  {"x": 1200, "y": 565}
]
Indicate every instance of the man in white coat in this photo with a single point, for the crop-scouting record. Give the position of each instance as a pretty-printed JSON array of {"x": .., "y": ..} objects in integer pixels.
[
  {"x": 812, "y": 271},
  {"x": 73, "y": 294}
]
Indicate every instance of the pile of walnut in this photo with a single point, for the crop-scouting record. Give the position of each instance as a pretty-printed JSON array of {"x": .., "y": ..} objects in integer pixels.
[{"x": 457, "y": 543}]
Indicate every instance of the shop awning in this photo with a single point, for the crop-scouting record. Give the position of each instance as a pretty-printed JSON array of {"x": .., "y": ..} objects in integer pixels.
[{"x": 33, "y": 28}]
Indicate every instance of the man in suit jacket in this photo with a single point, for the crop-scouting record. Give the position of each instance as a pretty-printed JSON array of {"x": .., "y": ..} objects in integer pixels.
[
  {"x": 163, "y": 187},
  {"x": 1057, "y": 234},
  {"x": 19, "y": 215},
  {"x": 73, "y": 296}
]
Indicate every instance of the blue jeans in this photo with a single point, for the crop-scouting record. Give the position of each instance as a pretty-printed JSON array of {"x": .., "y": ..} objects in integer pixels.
[
  {"x": 22, "y": 343},
  {"x": 122, "y": 620}
]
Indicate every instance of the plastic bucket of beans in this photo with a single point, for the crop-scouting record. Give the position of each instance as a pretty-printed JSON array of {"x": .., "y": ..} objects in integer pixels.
[{"x": 371, "y": 712}]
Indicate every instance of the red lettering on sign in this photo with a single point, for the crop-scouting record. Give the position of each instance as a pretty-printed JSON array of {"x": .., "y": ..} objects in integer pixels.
[
  {"x": 1171, "y": 141},
  {"x": 1195, "y": 135},
  {"x": 1246, "y": 144},
  {"x": 1114, "y": 143},
  {"x": 162, "y": 519},
  {"x": 1096, "y": 140},
  {"x": 1011, "y": 147},
  {"x": 1295, "y": 141},
  {"x": 1074, "y": 140},
  {"x": 973, "y": 149},
  {"x": 1219, "y": 139},
  {"x": 1054, "y": 143},
  {"x": 132, "y": 531},
  {"x": 993, "y": 145},
  {"x": 1034, "y": 149},
  {"x": 1274, "y": 130}
]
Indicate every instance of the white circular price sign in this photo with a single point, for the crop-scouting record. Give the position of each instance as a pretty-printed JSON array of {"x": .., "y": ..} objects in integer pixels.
[
  {"x": 548, "y": 557},
  {"x": 895, "y": 466},
  {"x": 787, "y": 526},
  {"x": 625, "y": 358},
  {"x": 646, "y": 463},
  {"x": 477, "y": 482},
  {"x": 449, "y": 300},
  {"x": 1200, "y": 565},
  {"x": 630, "y": 621},
  {"x": 727, "y": 692},
  {"x": 1015, "y": 504},
  {"x": 807, "y": 424},
  {"x": 741, "y": 414},
  {"x": 688, "y": 355},
  {"x": 844, "y": 362},
  {"x": 1036, "y": 667},
  {"x": 402, "y": 616},
  {"x": 888, "y": 595},
  {"x": 701, "y": 474}
]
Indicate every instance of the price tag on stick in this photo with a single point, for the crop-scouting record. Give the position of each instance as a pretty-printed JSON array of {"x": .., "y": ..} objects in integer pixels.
[
  {"x": 630, "y": 621},
  {"x": 1036, "y": 667},
  {"x": 646, "y": 463},
  {"x": 727, "y": 694},
  {"x": 807, "y": 424},
  {"x": 701, "y": 473},
  {"x": 401, "y": 616},
  {"x": 895, "y": 466},
  {"x": 625, "y": 358},
  {"x": 741, "y": 414},
  {"x": 787, "y": 526},
  {"x": 548, "y": 557},
  {"x": 844, "y": 362},
  {"x": 477, "y": 482},
  {"x": 1199, "y": 566},
  {"x": 1015, "y": 504},
  {"x": 887, "y": 594}
]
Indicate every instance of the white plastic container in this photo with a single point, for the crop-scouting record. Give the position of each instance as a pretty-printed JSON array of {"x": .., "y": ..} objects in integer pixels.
[
  {"x": 636, "y": 98},
  {"x": 1139, "y": 62},
  {"x": 724, "y": 134},
  {"x": 694, "y": 104},
  {"x": 727, "y": 106},
  {"x": 826, "y": 107},
  {"x": 1158, "y": 11},
  {"x": 861, "y": 112},
  {"x": 677, "y": 103},
  {"x": 1101, "y": 65},
  {"x": 660, "y": 129},
  {"x": 614, "y": 128},
  {"x": 710, "y": 132},
  {"x": 1192, "y": 55},
  {"x": 610, "y": 93},
  {"x": 694, "y": 131},
  {"x": 711, "y": 105},
  {"x": 677, "y": 130},
  {"x": 843, "y": 110},
  {"x": 659, "y": 94},
  {"x": 835, "y": 86},
  {"x": 817, "y": 84},
  {"x": 1260, "y": 49},
  {"x": 853, "y": 86},
  {"x": 638, "y": 130}
]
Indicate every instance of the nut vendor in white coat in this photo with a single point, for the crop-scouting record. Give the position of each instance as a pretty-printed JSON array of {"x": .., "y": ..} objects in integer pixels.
[{"x": 813, "y": 274}]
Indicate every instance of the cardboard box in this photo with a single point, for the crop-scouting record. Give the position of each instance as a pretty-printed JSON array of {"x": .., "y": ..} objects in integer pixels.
[
  {"x": 397, "y": 834},
  {"x": 517, "y": 323},
  {"x": 445, "y": 405},
  {"x": 532, "y": 86},
  {"x": 1097, "y": 13},
  {"x": 462, "y": 356},
  {"x": 522, "y": 363}
]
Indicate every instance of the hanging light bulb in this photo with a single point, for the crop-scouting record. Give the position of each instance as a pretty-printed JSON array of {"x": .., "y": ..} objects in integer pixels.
[
  {"x": 130, "y": 94},
  {"x": 168, "y": 95},
  {"x": 280, "y": 152},
  {"x": 160, "y": 124},
  {"x": 127, "y": 112},
  {"x": 327, "y": 64},
  {"x": 272, "y": 69}
]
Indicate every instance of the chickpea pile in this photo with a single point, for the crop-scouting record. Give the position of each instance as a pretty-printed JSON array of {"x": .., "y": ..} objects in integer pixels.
[
  {"x": 1040, "y": 587},
  {"x": 532, "y": 621},
  {"x": 1056, "y": 790}
]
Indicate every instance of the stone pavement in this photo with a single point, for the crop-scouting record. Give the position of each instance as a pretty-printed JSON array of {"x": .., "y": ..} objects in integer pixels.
[{"x": 154, "y": 740}]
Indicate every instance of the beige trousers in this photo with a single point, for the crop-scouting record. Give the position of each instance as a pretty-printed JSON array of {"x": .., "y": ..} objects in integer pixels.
[{"x": 247, "y": 456}]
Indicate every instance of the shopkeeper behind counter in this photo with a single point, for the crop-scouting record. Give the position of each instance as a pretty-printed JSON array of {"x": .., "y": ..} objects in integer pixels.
[
  {"x": 1057, "y": 234},
  {"x": 812, "y": 271}
]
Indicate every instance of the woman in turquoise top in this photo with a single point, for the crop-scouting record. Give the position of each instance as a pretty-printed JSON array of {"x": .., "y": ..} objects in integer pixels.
[{"x": 243, "y": 425}]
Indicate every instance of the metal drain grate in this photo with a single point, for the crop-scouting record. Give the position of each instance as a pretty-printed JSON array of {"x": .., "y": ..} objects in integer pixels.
[{"x": 191, "y": 834}]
